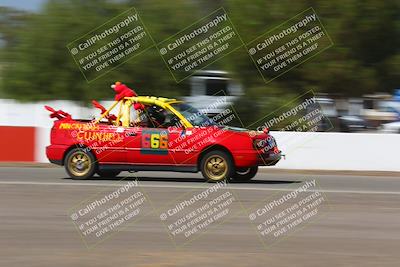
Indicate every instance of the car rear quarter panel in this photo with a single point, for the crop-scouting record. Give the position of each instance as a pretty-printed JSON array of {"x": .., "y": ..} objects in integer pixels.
[{"x": 103, "y": 140}]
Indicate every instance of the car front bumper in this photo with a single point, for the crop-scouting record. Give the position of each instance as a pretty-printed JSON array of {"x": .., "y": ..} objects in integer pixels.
[{"x": 269, "y": 158}]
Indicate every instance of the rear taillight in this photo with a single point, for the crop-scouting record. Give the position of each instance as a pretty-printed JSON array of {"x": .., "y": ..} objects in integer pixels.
[{"x": 52, "y": 135}]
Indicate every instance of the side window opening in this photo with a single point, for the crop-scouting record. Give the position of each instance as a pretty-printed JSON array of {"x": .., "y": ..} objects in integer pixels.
[{"x": 155, "y": 117}]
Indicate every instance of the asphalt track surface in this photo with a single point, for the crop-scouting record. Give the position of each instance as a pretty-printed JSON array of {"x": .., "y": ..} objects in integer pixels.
[{"x": 359, "y": 224}]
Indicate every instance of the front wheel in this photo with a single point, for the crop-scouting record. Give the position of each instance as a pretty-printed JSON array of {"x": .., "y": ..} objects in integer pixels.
[
  {"x": 216, "y": 166},
  {"x": 80, "y": 164},
  {"x": 245, "y": 174}
]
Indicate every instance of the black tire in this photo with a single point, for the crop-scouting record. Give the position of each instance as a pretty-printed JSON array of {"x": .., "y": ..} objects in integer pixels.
[
  {"x": 216, "y": 166},
  {"x": 108, "y": 173},
  {"x": 80, "y": 164},
  {"x": 245, "y": 174}
]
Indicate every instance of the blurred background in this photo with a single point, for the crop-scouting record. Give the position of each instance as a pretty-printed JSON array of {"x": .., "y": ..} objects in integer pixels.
[{"x": 356, "y": 80}]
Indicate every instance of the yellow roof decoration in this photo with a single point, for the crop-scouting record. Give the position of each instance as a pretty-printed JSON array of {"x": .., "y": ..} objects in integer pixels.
[
  {"x": 152, "y": 100},
  {"x": 146, "y": 100}
]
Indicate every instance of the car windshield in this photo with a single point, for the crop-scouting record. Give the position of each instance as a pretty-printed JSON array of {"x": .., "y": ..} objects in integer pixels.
[{"x": 193, "y": 115}]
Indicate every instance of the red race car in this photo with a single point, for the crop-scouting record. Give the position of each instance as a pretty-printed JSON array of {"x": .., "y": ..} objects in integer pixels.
[{"x": 157, "y": 134}]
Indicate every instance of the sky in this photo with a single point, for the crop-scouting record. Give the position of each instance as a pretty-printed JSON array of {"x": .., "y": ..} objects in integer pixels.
[{"x": 31, "y": 5}]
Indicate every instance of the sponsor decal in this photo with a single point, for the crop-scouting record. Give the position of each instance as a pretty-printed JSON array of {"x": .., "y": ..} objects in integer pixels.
[
  {"x": 99, "y": 136},
  {"x": 78, "y": 126},
  {"x": 154, "y": 142}
]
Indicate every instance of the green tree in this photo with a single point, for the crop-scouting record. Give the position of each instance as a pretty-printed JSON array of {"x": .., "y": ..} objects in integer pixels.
[{"x": 40, "y": 66}]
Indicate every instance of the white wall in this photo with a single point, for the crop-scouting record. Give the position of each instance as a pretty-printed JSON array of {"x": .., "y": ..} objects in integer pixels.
[{"x": 339, "y": 151}]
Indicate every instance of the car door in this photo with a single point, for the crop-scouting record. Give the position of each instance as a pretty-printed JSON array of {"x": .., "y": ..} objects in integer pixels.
[
  {"x": 183, "y": 145},
  {"x": 149, "y": 146},
  {"x": 132, "y": 145},
  {"x": 155, "y": 144}
]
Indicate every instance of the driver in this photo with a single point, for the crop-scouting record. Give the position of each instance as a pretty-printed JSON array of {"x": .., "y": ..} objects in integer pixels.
[{"x": 156, "y": 115}]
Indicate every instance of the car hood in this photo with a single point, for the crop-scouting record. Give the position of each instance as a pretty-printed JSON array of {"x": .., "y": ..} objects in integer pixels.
[
  {"x": 245, "y": 131},
  {"x": 235, "y": 129}
]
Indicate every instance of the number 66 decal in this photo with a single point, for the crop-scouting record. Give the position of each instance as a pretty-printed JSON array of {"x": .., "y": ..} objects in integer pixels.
[{"x": 154, "y": 142}]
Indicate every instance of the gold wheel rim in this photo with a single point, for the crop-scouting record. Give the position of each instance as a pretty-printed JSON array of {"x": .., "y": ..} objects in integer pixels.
[
  {"x": 216, "y": 167},
  {"x": 79, "y": 164}
]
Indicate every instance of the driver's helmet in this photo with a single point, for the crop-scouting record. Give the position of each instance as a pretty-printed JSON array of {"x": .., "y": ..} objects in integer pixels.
[{"x": 156, "y": 114}]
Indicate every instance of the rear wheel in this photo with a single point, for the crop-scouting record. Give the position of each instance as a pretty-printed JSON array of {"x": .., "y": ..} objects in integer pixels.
[
  {"x": 108, "y": 173},
  {"x": 216, "y": 166},
  {"x": 245, "y": 174},
  {"x": 80, "y": 164}
]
